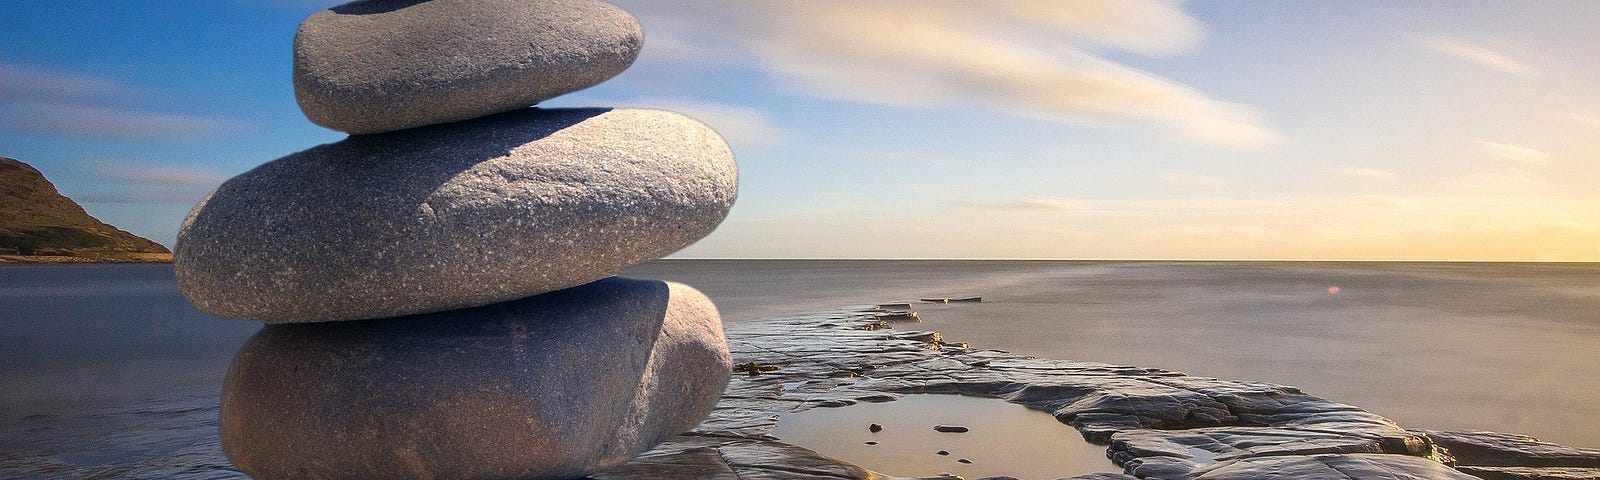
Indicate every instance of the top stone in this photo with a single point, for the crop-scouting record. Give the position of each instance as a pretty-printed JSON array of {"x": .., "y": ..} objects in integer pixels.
[{"x": 377, "y": 66}]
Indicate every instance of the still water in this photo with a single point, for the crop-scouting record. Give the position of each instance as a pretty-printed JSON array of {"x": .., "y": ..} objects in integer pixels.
[
  {"x": 1510, "y": 347},
  {"x": 1505, "y": 347},
  {"x": 1003, "y": 438}
]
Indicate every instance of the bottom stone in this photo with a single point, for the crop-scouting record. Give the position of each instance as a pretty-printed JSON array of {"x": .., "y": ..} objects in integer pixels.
[{"x": 553, "y": 386}]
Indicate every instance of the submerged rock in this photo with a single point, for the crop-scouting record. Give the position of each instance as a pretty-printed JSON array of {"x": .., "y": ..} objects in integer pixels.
[
  {"x": 454, "y": 216},
  {"x": 554, "y": 386},
  {"x": 384, "y": 65}
]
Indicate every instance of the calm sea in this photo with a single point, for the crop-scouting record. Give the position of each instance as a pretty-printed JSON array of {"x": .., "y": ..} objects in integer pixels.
[{"x": 1505, "y": 347}]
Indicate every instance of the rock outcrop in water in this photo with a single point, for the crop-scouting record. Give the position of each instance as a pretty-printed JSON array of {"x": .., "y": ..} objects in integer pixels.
[
  {"x": 436, "y": 284},
  {"x": 38, "y": 224},
  {"x": 828, "y": 360},
  {"x": 1157, "y": 424}
]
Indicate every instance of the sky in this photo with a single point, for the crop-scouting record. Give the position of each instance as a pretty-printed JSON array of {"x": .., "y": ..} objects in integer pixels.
[{"x": 1081, "y": 129}]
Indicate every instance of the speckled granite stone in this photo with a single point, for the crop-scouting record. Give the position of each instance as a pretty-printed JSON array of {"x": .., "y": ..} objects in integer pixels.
[
  {"x": 454, "y": 216},
  {"x": 554, "y": 386},
  {"x": 384, "y": 65}
]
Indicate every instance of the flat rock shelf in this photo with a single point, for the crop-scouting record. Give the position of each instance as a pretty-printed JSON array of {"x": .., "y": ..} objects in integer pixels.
[{"x": 1154, "y": 423}]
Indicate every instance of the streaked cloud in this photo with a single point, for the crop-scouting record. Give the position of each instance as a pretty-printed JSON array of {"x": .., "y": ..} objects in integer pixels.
[
  {"x": 1515, "y": 153},
  {"x": 739, "y": 125},
  {"x": 1191, "y": 179},
  {"x": 1032, "y": 204},
  {"x": 891, "y": 156},
  {"x": 141, "y": 198},
  {"x": 144, "y": 183},
  {"x": 1510, "y": 180},
  {"x": 18, "y": 82},
  {"x": 150, "y": 173},
  {"x": 105, "y": 122},
  {"x": 41, "y": 101},
  {"x": 1478, "y": 54},
  {"x": 1365, "y": 172},
  {"x": 1583, "y": 117},
  {"x": 1028, "y": 58},
  {"x": 1422, "y": 227},
  {"x": 1384, "y": 201}
]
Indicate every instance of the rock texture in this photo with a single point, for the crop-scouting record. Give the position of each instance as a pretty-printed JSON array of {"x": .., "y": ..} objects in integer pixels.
[
  {"x": 384, "y": 65},
  {"x": 548, "y": 387},
  {"x": 38, "y": 224},
  {"x": 454, "y": 216},
  {"x": 1504, "y": 456},
  {"x": 1158, "y": 424}
]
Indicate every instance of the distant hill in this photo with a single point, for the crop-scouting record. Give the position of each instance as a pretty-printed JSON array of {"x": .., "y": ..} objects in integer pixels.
[{"x": 38, "y": 224}]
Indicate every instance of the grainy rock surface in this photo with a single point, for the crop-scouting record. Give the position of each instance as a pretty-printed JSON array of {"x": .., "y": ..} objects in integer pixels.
[
  {"x": 384, "y": 65},
  {"x": 548, "y": 387},
  {"x": 454, "y": 216}
]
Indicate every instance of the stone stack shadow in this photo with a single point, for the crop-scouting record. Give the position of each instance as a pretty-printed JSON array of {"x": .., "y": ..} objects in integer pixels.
[{"x": 438, "y": 286}]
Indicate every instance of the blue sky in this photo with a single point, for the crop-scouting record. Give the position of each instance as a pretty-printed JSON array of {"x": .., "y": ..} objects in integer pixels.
[{"x": 897, "y": 128}]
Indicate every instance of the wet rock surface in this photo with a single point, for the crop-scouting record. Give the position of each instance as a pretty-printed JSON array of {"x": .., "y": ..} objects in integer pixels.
[
  {"x": 1157, "y": 423},
  {"x": 1509, "y": 456}
]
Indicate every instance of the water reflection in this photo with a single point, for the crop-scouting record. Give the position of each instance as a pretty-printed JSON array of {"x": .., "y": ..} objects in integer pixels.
[{"x": 1004, "y": 438}]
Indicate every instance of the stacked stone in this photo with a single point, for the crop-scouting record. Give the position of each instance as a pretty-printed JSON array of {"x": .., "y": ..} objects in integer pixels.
[{"x": 437, "y": 286}]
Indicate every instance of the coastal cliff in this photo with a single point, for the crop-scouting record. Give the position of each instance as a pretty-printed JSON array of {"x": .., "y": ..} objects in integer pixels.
[{"x": 39, "y": 225}]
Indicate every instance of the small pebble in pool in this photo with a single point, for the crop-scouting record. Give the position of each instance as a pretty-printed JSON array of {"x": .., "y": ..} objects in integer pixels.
[
  {"x": 963, "y": 460},
  {"x": 874, "y": 428},
  {"x": 872, "y": 443},
  {"x": 950, "y": 429},
  {"x": 942, "y": 452}
]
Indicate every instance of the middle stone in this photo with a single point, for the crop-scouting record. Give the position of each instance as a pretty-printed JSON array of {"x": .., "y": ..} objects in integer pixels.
[{"x": 454, "y": 216}]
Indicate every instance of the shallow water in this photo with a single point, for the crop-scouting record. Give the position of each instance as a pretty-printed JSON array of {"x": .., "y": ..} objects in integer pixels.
[
  {"x": 87, "y": 352},
  {"x": 1512, "y": 347},
  {"x": 1005, "y": 438}
]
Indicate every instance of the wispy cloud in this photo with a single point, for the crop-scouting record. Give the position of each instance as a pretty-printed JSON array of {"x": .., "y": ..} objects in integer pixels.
[
  {"x": 911, "y": 158},
  {"x": 739, "y": 125},
  {"x": 1583, "y": 117},
  {"x": 141, "y": 197},
  {"x": 18, "y": 82},
  {"x": 40, "y": 101},
  {"x": 150, "y": 174},
  {"x": 1365, "y": 172},
  {"x": 1191, "y": 179},
  {"x": 93, "y": 121},
  {"x": 1478, "y": 54},
  {"x": 143, "y": 182},
  {"x": 1028, "y": 58},
  {"x": 1511, "y": 180},
  {"x": 1384, "y": 201},
  {"x": 1515, "y": 153},
  {"x": 1033, "y": 204}
]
